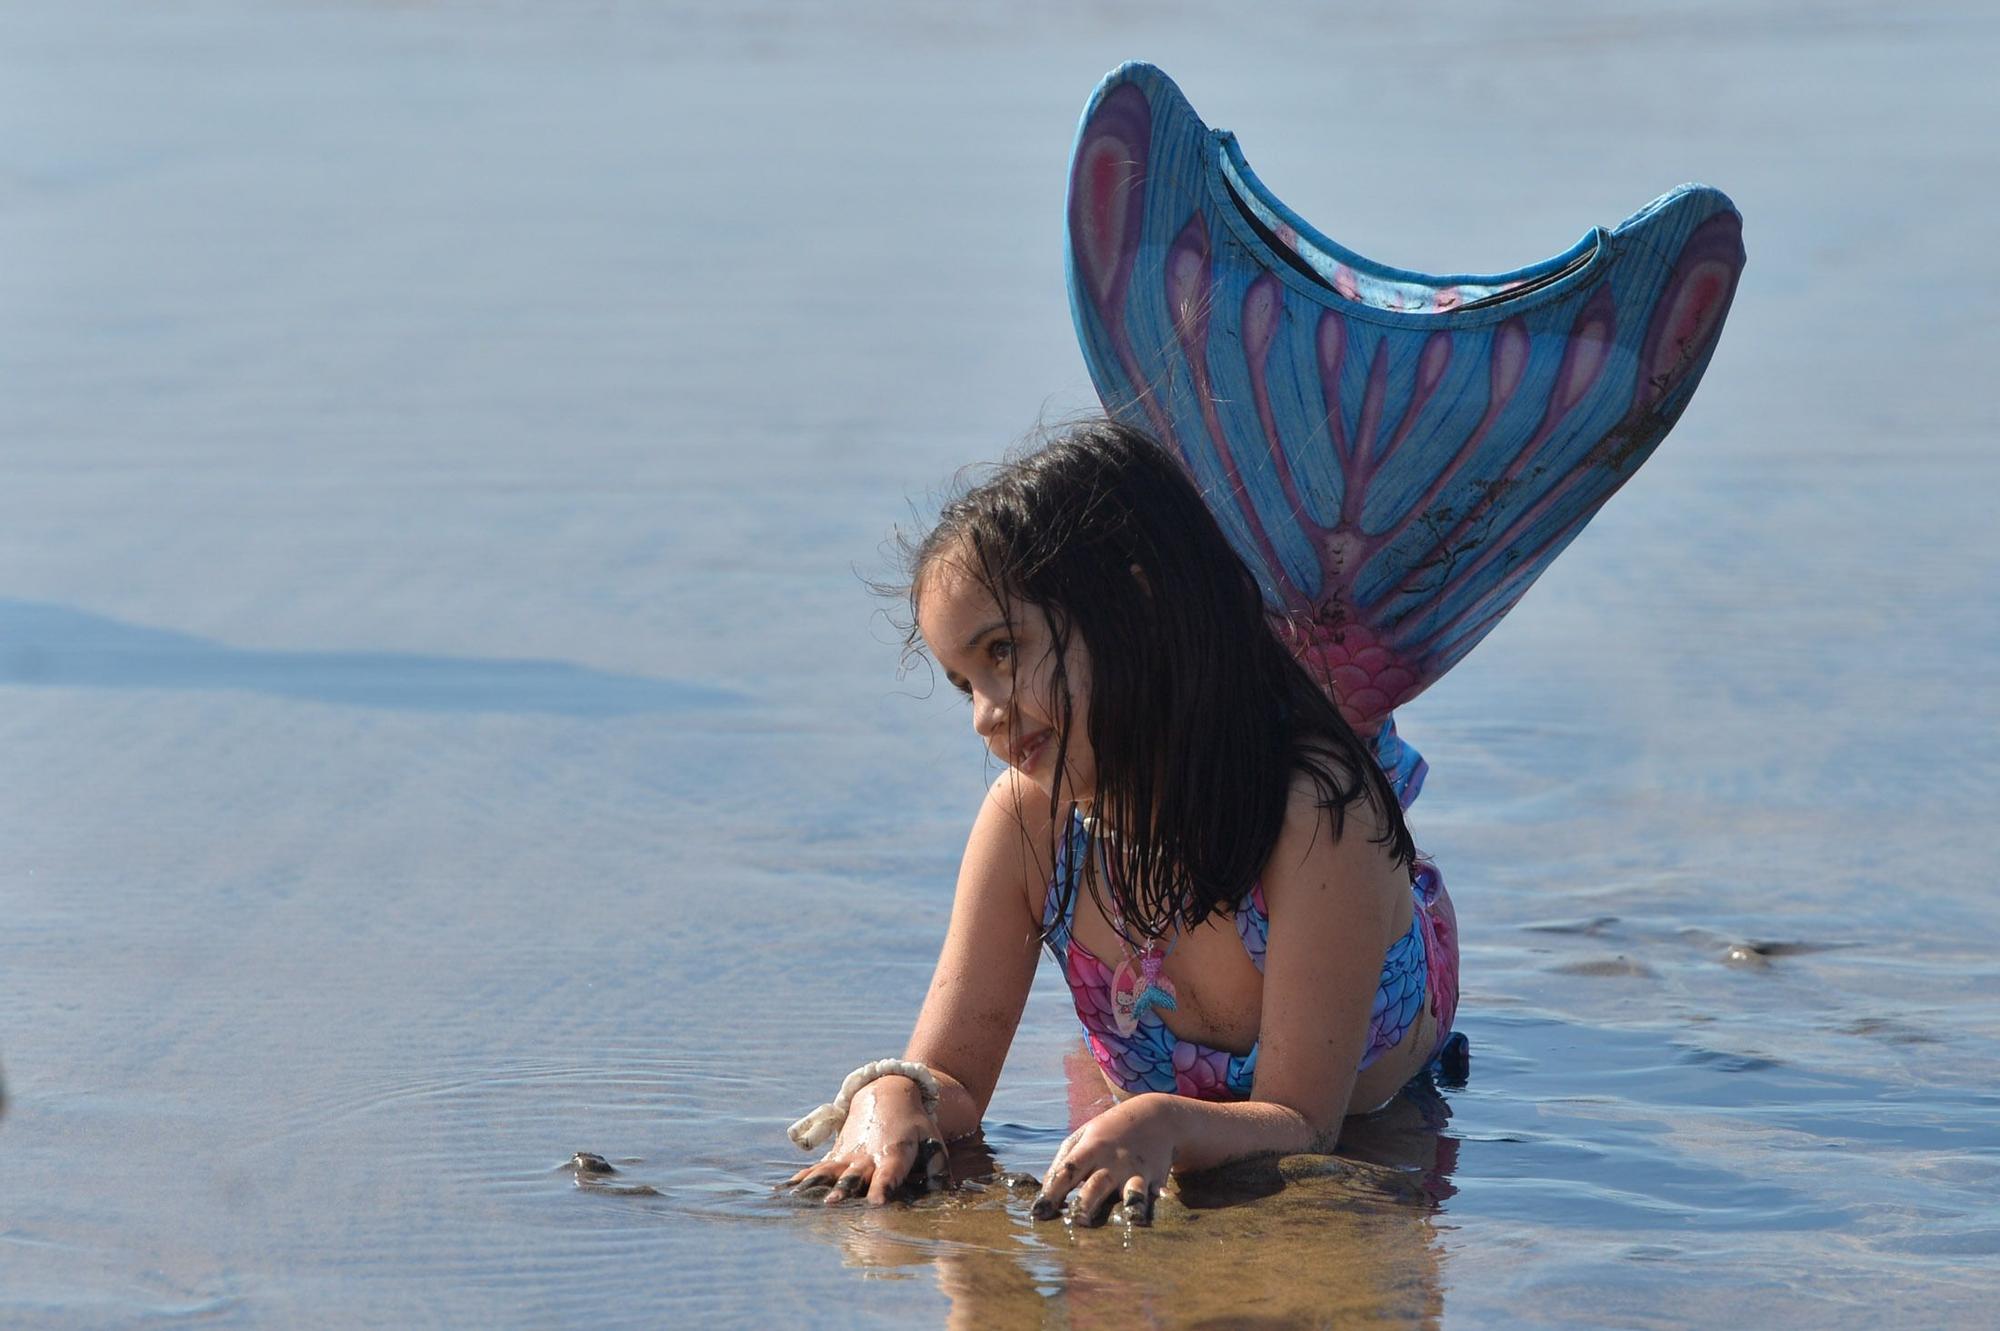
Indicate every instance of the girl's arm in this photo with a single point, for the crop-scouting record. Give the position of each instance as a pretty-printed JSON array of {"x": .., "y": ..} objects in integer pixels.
[
  {"x": 1333, "y": 907},
  {"x": 990, "y": 953},
  {"x": 975, "y": 1001}
]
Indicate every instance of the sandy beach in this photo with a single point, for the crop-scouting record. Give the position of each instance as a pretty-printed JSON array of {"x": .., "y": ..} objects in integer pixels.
[{"x": 446, "y": 725}]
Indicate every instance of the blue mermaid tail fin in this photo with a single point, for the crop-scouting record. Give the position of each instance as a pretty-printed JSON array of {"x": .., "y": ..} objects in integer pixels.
[{"x": 1397, "y": 455}]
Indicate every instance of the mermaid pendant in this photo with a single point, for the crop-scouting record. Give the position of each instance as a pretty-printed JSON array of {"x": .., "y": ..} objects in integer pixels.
[{"x": 1136, "y": 990}]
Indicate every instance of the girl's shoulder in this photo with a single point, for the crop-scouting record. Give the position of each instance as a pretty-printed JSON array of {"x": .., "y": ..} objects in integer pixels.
[
  {"x": 1319, "y": 774},
  {"x": 1022, "y": 803},
  {"x": 1013, "y": 839},
  {"x": 1325, "y": 839}
]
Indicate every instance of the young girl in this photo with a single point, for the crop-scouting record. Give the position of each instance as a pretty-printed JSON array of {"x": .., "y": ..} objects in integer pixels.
[
  {"x": 1188, "y": 823},
  {"x": 1185, "y": 823}
]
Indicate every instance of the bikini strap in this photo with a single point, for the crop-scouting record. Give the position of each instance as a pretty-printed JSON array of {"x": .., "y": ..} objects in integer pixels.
[
  {"x": 1059, "y": 904},
  {"x": 1253, "y": 924}
]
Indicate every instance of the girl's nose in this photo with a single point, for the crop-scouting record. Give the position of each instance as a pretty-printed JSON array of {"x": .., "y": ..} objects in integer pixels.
[{"x": 988, "y": 714}]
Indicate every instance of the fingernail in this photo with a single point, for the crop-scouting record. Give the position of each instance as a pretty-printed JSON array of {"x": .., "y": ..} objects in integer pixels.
[{"x": 1042, "y": 1208}]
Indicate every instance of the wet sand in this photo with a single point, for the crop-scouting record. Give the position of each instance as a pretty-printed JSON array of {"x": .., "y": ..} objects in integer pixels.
[{"x": 445, "y": 731}]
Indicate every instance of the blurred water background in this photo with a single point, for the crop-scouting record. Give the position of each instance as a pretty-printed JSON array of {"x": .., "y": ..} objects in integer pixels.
[{"x": 443, "y": 725}]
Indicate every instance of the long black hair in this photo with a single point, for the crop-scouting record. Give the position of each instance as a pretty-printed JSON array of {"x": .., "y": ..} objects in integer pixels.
[{"x": 1199, "y": 715}]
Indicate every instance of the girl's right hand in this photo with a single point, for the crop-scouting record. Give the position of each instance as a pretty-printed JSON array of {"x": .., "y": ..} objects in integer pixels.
[{"x": 886, "y": 1133}]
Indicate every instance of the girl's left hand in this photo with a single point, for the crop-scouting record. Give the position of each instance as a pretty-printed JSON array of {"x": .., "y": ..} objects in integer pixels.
[{"x": 1120, "y": 1157}]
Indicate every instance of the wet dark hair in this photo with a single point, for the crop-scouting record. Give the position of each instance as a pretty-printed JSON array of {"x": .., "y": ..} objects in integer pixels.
[{"x": 1199, "y": 801}]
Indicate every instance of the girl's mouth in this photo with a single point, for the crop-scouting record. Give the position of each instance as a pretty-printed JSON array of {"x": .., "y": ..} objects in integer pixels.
[{"x": 1027, "y": 752}]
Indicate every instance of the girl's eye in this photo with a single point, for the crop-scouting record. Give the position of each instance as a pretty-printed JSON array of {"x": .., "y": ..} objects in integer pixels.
[{"x": 1001, "y": 650}]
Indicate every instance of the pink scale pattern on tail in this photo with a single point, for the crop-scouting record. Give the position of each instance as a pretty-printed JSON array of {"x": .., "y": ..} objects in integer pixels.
[{"x": 1363, "y": 673}]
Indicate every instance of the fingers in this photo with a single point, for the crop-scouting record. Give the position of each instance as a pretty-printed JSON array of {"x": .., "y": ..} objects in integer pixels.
[
  {"x": 922, "y": 1166},
  {"x": 1055, "y": 1186},
  {"x": 890, "y": 1168},
  {"x": 1093, "y": 1195},
  {"x": 1094, "y": 1198},
  {"x": 1061, "y": 1177},
  {"x": 816, "y": 1175},
  {"x": 853, "y": 1181},
  {"x": 1094, "y": 1183},
  {"x": 846, "y": 1175},
  {"x": 1135, "y": 1200},
  {"x": 1102, "y": 1197},
  {"x": 935, "y": 1164}
]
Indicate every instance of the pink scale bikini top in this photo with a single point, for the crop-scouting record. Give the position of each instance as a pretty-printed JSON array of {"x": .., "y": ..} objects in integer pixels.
[{"x": 1152, "y": 1057}]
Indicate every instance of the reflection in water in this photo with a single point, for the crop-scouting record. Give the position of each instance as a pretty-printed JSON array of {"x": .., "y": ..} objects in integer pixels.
[{"x": 1305, "y": 1240}]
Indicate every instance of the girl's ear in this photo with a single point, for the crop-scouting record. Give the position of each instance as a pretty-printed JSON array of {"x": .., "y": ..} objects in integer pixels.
[{"x": 1139, "y": 576}]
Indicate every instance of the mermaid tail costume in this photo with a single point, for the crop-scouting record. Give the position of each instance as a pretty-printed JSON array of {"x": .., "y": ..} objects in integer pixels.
[{"x": 1397, "y": 456}]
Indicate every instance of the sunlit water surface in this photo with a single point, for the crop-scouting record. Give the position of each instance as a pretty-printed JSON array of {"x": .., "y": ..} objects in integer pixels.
[{"x": 445, "y": 726}]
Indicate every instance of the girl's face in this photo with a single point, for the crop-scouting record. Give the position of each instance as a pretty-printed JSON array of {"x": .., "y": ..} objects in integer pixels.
[{"x": 1007, "y": 672}]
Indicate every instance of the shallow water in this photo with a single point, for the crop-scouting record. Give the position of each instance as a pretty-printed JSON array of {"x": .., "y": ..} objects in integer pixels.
[{"x": 444, "y": 729}]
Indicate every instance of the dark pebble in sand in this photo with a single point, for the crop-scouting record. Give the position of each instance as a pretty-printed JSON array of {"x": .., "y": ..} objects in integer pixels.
[
  {"x": 1609, "y": 967},
  {"x": 1793, "y": 949},
  {"x": 1890, "y": 1030},
  {"x": 1759, "y": 954},
  {"x": 1005, "y": 1181},
  {"x": 1594, "y": 925},
  {"x": 592, "y": 1169}
]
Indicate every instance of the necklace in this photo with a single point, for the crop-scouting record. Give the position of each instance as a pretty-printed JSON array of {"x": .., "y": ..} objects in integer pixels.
[{"x": 1137, "y": 985}]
